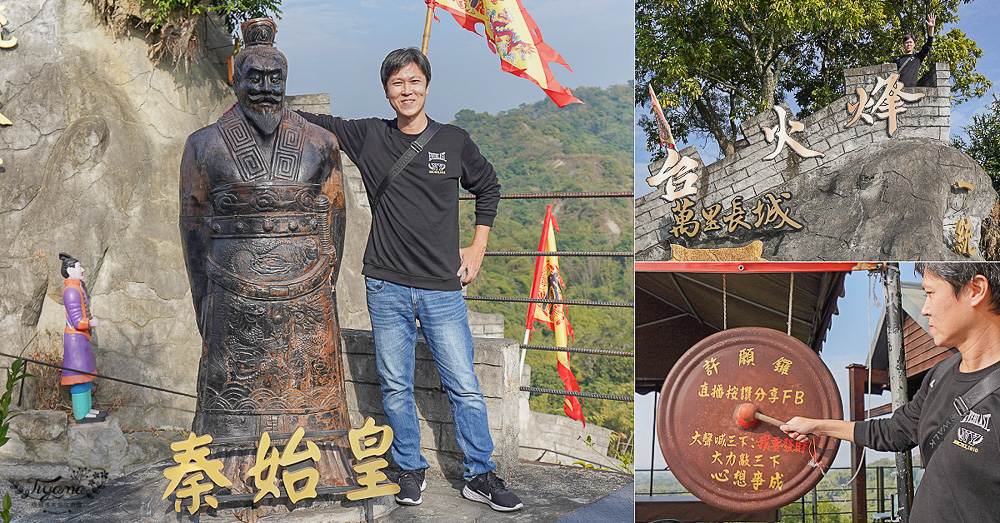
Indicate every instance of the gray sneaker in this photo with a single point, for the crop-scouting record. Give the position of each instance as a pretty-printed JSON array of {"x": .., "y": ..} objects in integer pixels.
[
  {"x": 488, "y": 488},
  {"x": 411, "y": 484}
]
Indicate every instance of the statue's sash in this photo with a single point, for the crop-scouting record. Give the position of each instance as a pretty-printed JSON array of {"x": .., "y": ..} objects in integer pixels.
[{"x": 284, "y": 164}]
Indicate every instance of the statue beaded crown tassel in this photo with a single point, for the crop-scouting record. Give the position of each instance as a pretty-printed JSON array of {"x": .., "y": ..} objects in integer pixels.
[{"x": 262, "y": 222}]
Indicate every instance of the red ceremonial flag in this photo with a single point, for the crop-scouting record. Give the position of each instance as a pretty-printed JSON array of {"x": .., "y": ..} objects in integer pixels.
[
  {"x": 513, "y": 35},
  {"x": 548, "y": 284},
  {"x": 662, "y": 127}
]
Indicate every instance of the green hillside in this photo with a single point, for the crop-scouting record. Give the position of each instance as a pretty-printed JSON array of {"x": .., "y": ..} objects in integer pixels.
[{"x": 541, "y": 148}]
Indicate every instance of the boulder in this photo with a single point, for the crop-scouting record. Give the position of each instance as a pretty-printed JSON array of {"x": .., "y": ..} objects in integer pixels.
[
  {"x": 98, "y": 446},
  {"x": 37, "y": 435}
]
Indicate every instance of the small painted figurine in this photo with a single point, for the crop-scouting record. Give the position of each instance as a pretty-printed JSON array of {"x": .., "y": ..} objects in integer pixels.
[{"x": 77, "y": 351}]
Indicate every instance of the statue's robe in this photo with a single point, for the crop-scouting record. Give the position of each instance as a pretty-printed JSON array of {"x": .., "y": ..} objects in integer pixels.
[{"x": 262, "y": 221}]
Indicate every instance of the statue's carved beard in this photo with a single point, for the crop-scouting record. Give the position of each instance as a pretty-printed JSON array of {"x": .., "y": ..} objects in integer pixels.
[{"x": 264, "y": 117}]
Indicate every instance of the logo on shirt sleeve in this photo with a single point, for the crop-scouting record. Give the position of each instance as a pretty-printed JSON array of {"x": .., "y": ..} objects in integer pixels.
[{"x": 436, "y": 162}]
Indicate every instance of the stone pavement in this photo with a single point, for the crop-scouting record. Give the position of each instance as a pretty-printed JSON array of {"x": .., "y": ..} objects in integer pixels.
[{"x": 550, "y": 493}]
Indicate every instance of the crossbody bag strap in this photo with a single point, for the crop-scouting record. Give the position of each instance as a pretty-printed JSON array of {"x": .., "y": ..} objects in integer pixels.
[
  {"x": 963, "y": 404},
  {"x": 415, "y": 147}
]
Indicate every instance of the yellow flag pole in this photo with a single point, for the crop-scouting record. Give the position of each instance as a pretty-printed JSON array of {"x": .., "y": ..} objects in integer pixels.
[{"x": 427, "y": 28}]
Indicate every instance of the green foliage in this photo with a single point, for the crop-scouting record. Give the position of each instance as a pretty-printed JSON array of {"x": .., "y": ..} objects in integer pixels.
[
  {"x": 714, "y": 63},
  {"x": 234, "y": 12},
  {"x": 16, "y": 373},
  {"x": 625, "y": 465},
  {"x": 171, "y": 26},
  {"x": 983, "y": 145},
  {"x": 541, "y": 148},
  {"x": 164, "y": 9}
]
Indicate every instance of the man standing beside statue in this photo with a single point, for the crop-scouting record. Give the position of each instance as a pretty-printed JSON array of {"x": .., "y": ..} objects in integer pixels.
[
  {"x": 414, "y": 268},
  {"x": 262, "y": 224}
]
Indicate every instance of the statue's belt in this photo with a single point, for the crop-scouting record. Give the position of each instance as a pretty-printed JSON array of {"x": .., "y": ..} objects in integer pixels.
[
  {"x": 316, "y": 276},
  {"x": 269, "y": 225}
]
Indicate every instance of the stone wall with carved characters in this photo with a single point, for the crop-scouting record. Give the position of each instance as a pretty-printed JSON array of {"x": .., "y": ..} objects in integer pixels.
[{"x": 871, "y": 195}]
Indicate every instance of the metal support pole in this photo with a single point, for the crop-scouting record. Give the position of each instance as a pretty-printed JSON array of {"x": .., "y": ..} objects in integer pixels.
[
  {"x": 652, "y": 454},
  {"x": 857, "y": 375},
  {"x": 881, "y": 489},
  {"x": 815, "y": 505},
  {"x": 897, "y": 381}
]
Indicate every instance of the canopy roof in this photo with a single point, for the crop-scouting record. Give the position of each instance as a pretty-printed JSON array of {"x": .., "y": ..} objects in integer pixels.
[{"x": 675, "y": 310}]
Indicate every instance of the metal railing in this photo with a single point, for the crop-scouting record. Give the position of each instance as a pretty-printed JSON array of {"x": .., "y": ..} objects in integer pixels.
[
  {"x": 809, "y": 508},
  {"x": 586, "y": 303}
]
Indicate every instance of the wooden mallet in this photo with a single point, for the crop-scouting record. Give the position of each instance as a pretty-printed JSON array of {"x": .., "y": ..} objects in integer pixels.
[{"x": 747, "y": 414}]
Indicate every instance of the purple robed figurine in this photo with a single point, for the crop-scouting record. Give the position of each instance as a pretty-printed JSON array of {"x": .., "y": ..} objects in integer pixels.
[{"x": 77, "y": 351}]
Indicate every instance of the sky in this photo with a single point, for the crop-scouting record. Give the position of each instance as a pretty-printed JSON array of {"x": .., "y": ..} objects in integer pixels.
[
  {"x": 977, "y": 19},
  {"x": 847, "y": 342},
  {"x": 337, "y": 48}
]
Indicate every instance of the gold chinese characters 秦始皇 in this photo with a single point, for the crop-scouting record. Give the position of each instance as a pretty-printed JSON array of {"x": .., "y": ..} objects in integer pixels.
[{"x": 192, "y": 462}]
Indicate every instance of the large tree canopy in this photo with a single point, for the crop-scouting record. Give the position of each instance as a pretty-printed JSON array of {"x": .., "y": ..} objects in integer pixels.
[
  {"x": 983, "y": 145},
  {"x": 715, "y": 63}
]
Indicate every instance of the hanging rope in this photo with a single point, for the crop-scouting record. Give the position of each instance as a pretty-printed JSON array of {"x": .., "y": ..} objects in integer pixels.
[
  {"x": 725, "y": 313},
  {"x": 791, "y": 286}
]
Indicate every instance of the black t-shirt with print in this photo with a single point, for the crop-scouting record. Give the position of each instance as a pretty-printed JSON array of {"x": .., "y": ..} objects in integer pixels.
[
  {"x": 414, "y": 237},
  {"x": 961, "y": 482},
  {"x": 908, "y": 65}
]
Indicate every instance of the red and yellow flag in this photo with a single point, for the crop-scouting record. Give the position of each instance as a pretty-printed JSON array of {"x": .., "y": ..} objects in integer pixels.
[
  {"x": 513, "y": 35},
  {"x": 548, "y": 284}
]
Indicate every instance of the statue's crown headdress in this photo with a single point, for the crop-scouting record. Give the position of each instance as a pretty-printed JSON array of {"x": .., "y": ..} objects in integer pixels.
[{"x": 258, "y": 31}]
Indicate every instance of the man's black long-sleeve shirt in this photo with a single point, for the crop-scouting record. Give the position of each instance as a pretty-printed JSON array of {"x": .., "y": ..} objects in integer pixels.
[
  {"x": 961, "y": 482},
  {"x": 908, "y": 65},
  {"x": 414, "y": 239}
]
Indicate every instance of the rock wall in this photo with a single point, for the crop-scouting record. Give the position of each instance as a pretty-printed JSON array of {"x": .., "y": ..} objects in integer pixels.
[
  {"x": 871, "y": 196},
  {"x": 552, "y": 438},
  {"x": 90, "y": 167}
]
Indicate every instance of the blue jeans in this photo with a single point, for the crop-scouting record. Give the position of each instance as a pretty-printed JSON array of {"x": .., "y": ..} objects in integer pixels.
[{"x": 444, "y": 323}]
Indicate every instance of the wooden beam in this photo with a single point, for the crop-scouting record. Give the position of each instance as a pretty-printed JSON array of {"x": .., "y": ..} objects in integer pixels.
[{"x": 857, "y": 378}]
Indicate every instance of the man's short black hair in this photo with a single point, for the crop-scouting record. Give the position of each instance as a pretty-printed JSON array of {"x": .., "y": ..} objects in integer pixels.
[
  {"x": 908, "y": 37},
  {"x": 399, "y": 59},
  {"x": 959, "y": 274},
  {"x": 67, "y": 263}
]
